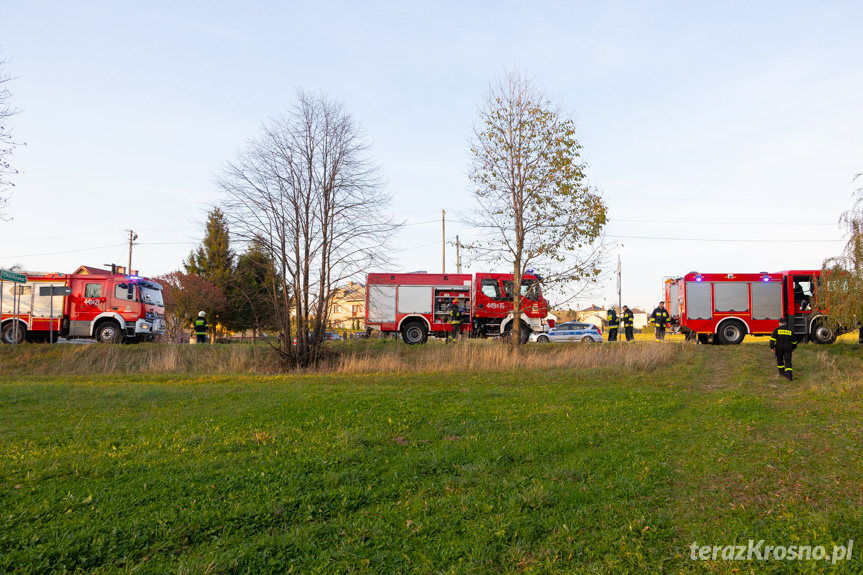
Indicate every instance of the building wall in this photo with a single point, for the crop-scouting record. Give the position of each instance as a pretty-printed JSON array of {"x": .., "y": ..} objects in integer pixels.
[{"x": 347, "y": 312}]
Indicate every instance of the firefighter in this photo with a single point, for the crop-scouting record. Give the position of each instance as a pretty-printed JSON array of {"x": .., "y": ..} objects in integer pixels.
[
  {"x": 783, "y": 343},
  {"x": 628, "y": 320},
  {"x": 659, "y": 319},
  {"x": 201, "y": 327},
  {"x": 612, "y": 324},
  {"x": 454, "y": 319}
]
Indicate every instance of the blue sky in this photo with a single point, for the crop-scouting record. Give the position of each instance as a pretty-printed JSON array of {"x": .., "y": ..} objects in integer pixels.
[{"x": 726, "y": 121}]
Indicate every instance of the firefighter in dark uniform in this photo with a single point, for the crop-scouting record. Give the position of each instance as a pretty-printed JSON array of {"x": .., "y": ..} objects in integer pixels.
[
  {"x": 783, "y": 343},
  {"x": 628, "y": 320},
  {"x": 201, "y": 327},
  {"x": 659, "y": 319},
  {"x": 455, "y": 319},
  {"x": 612, "y": 324}
]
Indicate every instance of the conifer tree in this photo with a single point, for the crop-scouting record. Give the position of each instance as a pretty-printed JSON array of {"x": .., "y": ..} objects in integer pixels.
[
  {"x": 254, "y": 278},
  {"x": 214, "y": 259}
]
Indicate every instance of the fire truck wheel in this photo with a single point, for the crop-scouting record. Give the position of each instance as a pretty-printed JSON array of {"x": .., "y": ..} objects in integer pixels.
[
  {"x": 731, "y": 333},
  {"x": 821, "y": 333},
  {"x": 8, "y": 333},
  {"x": 414, "y": 333},
  {"x": 524, "y": 333},
  {"x": 108, "y": 332}
]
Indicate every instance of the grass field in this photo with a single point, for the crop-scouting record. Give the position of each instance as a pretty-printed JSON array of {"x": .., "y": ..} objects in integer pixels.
[{"x": 444, "y": 459}]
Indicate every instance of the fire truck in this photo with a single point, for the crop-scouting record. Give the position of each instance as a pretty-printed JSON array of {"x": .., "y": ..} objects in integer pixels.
[
  {"x": 110, "y": 308},
  {"x": 724, "y": 308},
  {"x": 418, "y": 304}
]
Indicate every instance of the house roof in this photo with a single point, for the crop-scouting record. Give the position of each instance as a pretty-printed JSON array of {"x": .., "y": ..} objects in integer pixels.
[
  {"x": 91, "y": 271},
  {"x": 592, "y": 308},
  {"x": 352, "y": 292}
]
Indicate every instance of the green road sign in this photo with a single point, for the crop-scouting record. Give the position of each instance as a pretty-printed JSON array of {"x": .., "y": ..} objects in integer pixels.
[{"x": 13, "y": 277}]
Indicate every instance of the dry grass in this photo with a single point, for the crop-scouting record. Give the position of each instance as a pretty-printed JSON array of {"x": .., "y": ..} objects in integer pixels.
[
  {"x": 43, "y": 359},
  {"x": 364, "y": 357},
  {"x": 482, "y": 356}
]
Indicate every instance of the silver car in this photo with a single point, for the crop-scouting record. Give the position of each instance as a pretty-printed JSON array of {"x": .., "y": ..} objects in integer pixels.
[{"x": 569, "y": 331}]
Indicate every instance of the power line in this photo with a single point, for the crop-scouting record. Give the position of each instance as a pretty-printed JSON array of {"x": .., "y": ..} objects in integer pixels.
[
  {"x": 720, "y": 222},
  {"x": 65, "y": 252},
  {"x": 123, "y": 245},
  {"x": 719, "y": 240}
]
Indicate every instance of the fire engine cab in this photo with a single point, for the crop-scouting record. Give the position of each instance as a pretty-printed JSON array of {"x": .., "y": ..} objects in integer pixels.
[
  {"x": 418, "y": 304},
  {"x": 723, "y": 308},
  {"x": 107, "y": 307}
]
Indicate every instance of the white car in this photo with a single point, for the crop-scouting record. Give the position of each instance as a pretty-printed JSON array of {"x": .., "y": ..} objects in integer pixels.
[{"x": 569, "y": 331}]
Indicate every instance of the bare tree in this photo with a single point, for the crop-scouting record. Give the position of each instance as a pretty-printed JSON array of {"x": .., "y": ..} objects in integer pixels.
[
  {"x": 307, "y": 193},
  {"x": 534, "y": 208},
  {"x": 7, "y": 140}
]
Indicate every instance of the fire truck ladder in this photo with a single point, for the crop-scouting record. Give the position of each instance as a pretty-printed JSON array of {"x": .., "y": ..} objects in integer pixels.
[{"x": 799, "y": 327}]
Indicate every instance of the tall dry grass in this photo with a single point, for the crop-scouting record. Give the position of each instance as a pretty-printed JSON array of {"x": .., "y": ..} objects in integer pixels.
[
  {"x": 393, "y": 357},
  {"x": 480, "y": 356},
  {"x": 43, "y": 359}
]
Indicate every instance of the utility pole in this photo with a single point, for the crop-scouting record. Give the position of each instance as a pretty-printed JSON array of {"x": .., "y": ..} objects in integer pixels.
[
  {"x": 132, "y": 237},
  {"x": 457, "y": 256},
  {"x": 443, "y": 242}
]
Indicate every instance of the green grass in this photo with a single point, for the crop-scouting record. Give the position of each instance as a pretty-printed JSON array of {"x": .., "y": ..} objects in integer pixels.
[{"x": 608, "y": 469}]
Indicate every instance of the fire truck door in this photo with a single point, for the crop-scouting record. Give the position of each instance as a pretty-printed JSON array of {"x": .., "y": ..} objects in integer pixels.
[
  {"x": 89, "y": 300},
  {"x": 803, "y": 296}
]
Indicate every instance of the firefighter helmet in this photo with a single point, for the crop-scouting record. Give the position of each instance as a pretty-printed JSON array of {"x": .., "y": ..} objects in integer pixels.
[{"x": 202, "y": 313}]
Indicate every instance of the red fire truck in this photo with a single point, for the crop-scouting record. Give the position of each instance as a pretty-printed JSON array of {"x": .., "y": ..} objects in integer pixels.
[
  {"x": 723, "y": 308},
  {"x": 107, "y": 307},
  {"x": 417, "y": 304}
]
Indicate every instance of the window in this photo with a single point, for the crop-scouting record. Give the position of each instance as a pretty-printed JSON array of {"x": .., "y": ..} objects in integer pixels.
[
  {"x": 337, "y": 308},
  {"x": 490, "y": 288},
  {"x": 357, "y": 310},
  {"x": 529, "y": 289},
  {"x": 124, "y": 292},
  {"x": 93, "y": 290}
]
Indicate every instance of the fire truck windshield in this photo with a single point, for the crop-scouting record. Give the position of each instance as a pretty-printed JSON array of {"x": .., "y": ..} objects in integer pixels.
[
  {"x": 529, "y": 289},
  {"x": 151, "y": 296}
]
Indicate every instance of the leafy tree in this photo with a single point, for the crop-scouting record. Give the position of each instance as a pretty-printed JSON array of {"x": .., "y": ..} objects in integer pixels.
[
  {"x": 306, "y": 190},
  {"x": 533, "y": 205},
  {"x": 840, "y": 291},
  {"x": 7, "y": 140},
  {"x": 185, "y": 295}
]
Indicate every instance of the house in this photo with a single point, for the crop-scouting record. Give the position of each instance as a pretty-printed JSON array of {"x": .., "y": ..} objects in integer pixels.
[
  {"x": 91, "y": 271},
  {"x": 348, "y": 307},
  {"x": 597, "y": 319},
  {"x": 595, "y": 310},
  {"x": 640, "y": 318}
]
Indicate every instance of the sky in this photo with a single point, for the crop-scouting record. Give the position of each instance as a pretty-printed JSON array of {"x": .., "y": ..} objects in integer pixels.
[{"x": 724, "y": 137}]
